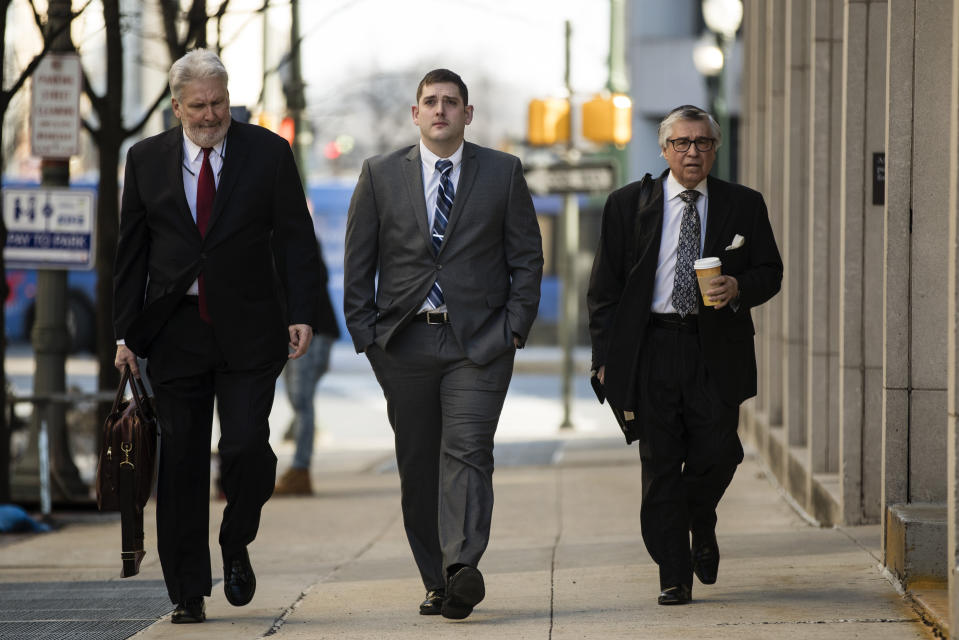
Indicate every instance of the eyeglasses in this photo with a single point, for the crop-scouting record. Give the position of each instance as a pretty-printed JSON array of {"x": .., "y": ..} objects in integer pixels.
[{"x": 702, "y": 144}]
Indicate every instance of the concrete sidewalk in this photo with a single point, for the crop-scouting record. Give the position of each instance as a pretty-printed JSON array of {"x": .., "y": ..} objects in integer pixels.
[{"x": 565, "y": 561}]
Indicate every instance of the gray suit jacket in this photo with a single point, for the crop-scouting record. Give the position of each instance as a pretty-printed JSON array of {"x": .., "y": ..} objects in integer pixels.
[{"x": 489, "y": 266}]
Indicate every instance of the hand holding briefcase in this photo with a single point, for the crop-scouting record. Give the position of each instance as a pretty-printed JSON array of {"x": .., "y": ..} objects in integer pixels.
[{"x": 126, "y": 469}]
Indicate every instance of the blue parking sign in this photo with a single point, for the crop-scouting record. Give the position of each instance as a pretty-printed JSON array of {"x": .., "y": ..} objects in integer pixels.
[{"x": 49, "y": 228}]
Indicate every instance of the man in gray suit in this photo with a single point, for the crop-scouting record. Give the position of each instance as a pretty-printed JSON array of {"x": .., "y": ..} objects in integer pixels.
[{"x": 442, "y": 274}]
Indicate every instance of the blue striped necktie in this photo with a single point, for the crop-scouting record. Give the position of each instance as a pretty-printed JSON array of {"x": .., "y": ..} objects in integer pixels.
[{"x": 441, "y": 216}]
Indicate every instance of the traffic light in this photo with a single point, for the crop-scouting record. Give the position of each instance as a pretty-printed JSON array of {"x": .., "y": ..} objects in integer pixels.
[
  {"x": 608, "y": 118},
  {"x": 287, "y": 129},
  {"x": 548, "y": 121},
  {"x": 265, "y": 120}
]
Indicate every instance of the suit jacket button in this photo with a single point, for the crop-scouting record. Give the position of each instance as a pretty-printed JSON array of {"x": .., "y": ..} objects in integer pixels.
[{"x": 439, "y": 267}]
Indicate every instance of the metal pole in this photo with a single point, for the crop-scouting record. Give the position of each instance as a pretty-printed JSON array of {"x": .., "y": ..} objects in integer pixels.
[
  {"x": 296, "y": 101},
  {"x": 570, "y": 311},
  {"x": 618, "y": 74},
  {"x": 618, "y": 77},
  {"x": 264, "y": 10},
  {"x": 49, "y": 335},
  {"x": 722, "y": 112},
  {"x": 43, "y": 446},
  {"x": 570, "y": 226}
]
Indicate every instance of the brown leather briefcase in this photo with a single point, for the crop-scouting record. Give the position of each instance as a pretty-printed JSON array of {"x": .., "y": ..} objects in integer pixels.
[{"x": 126, "y": 469}]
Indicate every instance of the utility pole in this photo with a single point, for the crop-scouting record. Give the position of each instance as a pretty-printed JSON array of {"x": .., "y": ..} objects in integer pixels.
[
  {"x": 569, "y": 310},
  {"x": 50, "y": 338},
  {"x": 264, "y": 10},
  {"x": 618, "y": 75},
  {"x": 295, "y": 100}
]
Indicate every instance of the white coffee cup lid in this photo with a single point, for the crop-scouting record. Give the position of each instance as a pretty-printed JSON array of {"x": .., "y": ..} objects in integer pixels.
[{"x": 707, "y": 263}]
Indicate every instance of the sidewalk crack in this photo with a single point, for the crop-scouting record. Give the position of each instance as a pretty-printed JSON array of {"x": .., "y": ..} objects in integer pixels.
[
  {"x": 831, "y": 621},
  {"x": 552, "y": 563},
  {"x": 281, "y": 620}
]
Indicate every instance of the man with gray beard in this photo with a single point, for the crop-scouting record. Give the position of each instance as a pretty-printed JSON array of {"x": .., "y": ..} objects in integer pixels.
[{"x": 217, "y": 283}]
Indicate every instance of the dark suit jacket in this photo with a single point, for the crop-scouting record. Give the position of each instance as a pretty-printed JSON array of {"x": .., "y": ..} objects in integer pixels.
[
  {"x": 259, "y": 256},
  {"x": 490, "y": 264},
  {"x": 621, "y": 287}
]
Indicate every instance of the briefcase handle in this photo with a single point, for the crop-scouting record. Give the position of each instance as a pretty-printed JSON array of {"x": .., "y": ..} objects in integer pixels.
[{"x": 136, "y": 387}]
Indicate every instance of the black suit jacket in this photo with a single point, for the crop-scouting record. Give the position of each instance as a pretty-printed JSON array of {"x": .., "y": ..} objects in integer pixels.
[
  {"x": 621, "y": 286},
  {"x": 490, "y": 264},
  {"x": 259, "y": 257},
  {"x": 326, "y": 323}
]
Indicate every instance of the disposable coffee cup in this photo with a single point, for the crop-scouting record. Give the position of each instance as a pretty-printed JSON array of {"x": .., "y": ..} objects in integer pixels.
[{"x": 706, "y": 270}]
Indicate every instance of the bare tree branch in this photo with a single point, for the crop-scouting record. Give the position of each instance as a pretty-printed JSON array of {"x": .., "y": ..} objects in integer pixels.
[
  {"x": 196, "y": 19},
  {"x": 170, "y": 9},
  {"x": 94, "y": 133},
  {"x": 222, "y": 10},
  {"x": 76, "y": 14},
  {"x": 36, "y": 16},
  {"x": 7, "y": 95},
  {"x": 149, "y": 112},
  {"x": 97, "y": 101}
]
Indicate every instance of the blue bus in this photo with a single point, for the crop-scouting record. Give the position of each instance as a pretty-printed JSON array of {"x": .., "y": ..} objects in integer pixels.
[
  {"x": 330, "y": 202},
  {"x": 20, "y": 307}
]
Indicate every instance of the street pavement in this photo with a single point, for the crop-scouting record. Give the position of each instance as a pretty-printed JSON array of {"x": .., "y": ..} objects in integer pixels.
[{"x": 565, "y": 558}]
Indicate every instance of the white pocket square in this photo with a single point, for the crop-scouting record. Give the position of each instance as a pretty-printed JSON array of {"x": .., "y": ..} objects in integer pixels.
[{"x": 738, "y": 241}]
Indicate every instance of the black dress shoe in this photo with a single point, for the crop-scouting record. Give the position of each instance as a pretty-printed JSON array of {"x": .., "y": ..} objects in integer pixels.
[
  {"x": 433, "y": 605},
  {"x": 189, "y": 611},
  {"x": 464, "y": 590},
  {"x": 239, "y": 581},
  {"x": 705, "y": 556},
  {"x": 680, "y": 594}
]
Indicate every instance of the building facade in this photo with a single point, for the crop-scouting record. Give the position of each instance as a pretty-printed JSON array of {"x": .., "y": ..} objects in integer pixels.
[{"x": 850, "y": 125}]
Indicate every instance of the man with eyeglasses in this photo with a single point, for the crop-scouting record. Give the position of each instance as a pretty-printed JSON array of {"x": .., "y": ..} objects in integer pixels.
[{"x": 674, "y": 368}]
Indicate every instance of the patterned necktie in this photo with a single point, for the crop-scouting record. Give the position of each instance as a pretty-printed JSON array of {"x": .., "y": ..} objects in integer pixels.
[
  {"x": 684, "y": 281},
  {"x": 205, "y": 190},
  {"x": 441, "y": 216}
]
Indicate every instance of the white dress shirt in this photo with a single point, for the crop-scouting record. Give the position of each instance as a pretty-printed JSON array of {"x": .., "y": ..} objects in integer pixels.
[
  {"x": 431, "y": 186},
  {"x": 192, "y": 162},
  {"x": 669, "y": 242}
]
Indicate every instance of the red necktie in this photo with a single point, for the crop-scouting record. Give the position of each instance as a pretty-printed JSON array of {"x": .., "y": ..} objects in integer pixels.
[{"x": 205, "y": 190}]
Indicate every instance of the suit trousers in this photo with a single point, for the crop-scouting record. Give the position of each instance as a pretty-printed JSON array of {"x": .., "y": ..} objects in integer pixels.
[
  {"x": 689, "y": 448},
  {"x": 187, "y": 372},
  {"x": 444, "y": 410}
]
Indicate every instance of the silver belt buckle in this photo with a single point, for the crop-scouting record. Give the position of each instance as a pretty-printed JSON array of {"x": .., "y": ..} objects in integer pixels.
[{"x": 440, "y": 315}]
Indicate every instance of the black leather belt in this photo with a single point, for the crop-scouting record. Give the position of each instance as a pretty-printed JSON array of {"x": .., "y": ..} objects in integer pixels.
[
  {"x": 435, "y": 317},
  {"x": 675, "y": 322}
]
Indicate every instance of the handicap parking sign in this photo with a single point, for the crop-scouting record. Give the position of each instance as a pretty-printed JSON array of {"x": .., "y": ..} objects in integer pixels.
[{"x": 49, "y": 228}]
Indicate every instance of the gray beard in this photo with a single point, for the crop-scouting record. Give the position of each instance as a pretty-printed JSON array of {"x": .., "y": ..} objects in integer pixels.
[{"x": 206, "y": 137}]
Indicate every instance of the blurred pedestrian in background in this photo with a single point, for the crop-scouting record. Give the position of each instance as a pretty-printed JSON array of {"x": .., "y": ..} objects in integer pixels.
[{"x": 301, "y": 377}]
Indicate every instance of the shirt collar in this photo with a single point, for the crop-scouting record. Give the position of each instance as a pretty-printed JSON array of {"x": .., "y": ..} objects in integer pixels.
[
  {"x": 194, "y": 151},
  {"x": 430, "y": 158},
  {"x": 673, "y": 188}
]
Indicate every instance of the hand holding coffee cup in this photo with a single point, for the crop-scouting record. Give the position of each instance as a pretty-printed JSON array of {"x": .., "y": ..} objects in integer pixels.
[
  {"x": 706, "y": 270},
  {"x": 717, "y": 290}
]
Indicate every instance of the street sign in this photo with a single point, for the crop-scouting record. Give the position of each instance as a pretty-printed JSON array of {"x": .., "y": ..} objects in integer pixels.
[
  {"x": 569, "y": 178},
  {"x": 49, "y": 228},
  {"x": 55, "y": 107}
]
